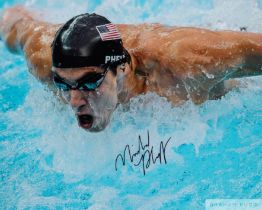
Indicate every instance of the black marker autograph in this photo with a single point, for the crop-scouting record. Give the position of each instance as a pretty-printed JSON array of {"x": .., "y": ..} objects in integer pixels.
[{"x": 146, "y": 153}]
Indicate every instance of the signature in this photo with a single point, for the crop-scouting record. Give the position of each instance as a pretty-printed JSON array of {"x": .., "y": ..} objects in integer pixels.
[{"x": 145, "y": 154}]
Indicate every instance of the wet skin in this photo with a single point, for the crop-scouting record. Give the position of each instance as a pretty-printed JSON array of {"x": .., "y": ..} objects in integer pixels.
[
  {"x": 92, "y": 108},
  {"x": 178, "y": 63}
]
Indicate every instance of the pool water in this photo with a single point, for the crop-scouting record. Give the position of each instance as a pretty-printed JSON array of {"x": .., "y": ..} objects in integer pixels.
[{"x": 214, "y": 151}]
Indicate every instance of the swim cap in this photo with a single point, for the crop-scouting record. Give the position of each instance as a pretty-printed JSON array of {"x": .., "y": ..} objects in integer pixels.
[{"x": 88, "y": 40}]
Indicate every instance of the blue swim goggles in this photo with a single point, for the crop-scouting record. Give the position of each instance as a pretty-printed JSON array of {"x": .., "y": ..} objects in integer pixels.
[{"x": 90, "y": 82}]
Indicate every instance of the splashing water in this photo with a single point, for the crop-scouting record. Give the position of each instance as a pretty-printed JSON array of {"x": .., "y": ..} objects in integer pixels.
[{"x": 48, "y": 162}]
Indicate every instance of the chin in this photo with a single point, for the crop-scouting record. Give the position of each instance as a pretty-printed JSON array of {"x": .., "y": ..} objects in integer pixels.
[{"x": 95, "y": 129}]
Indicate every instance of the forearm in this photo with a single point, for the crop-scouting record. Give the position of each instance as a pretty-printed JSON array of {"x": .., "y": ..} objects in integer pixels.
[
  {"x": 228, "y": 55},
  {"x": 15, "y": 26},
  {"x": 250, "y": 49},
  {"x": 23, "y": 33}
]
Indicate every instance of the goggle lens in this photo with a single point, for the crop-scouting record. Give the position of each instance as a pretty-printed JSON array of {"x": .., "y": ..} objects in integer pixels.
[{"x": 90, "y": 82}]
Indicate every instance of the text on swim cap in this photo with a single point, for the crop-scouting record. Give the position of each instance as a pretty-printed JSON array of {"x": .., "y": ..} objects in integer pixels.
[{"x": 113, "y": 58}]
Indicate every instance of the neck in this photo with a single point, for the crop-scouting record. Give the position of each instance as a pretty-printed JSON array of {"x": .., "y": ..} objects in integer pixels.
[{"x": 129, "y": 82}]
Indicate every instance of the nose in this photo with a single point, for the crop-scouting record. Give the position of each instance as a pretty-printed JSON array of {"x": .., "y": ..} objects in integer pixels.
[{"x": 77, "y": 98}]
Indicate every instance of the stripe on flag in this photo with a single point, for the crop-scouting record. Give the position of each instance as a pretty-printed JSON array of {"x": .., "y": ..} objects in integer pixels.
[{"x": 108, "y": 32}]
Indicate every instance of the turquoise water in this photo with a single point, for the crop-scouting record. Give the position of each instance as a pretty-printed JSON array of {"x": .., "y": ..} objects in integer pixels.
[{"x": 47, "y": 162}]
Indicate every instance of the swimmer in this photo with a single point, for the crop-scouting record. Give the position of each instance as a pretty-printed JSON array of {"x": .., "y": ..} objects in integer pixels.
[{"x": 95, "y": 65}]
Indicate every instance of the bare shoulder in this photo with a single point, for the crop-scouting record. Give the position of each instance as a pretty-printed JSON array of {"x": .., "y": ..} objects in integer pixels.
[
  {"x": 162, "y": 45},
  {"x": 37, "y": 50}
]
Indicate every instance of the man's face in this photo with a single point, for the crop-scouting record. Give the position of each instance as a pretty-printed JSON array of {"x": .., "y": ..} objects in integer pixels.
[{"x": 93, "y": 108}]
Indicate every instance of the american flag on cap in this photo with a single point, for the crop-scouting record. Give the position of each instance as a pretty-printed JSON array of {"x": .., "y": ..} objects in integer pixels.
[{"x": 108, "y": 32}]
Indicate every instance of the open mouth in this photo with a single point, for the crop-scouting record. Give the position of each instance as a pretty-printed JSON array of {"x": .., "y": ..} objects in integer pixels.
[{"x": 85, "y": 121}]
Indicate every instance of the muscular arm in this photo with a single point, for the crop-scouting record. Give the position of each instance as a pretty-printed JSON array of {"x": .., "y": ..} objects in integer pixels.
[
  {"x": 225, "y": 53},
  {"x": 213, "y": 57},
  {"x": 22, "y": 32},
  {"x": 198, "y": 59}
]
